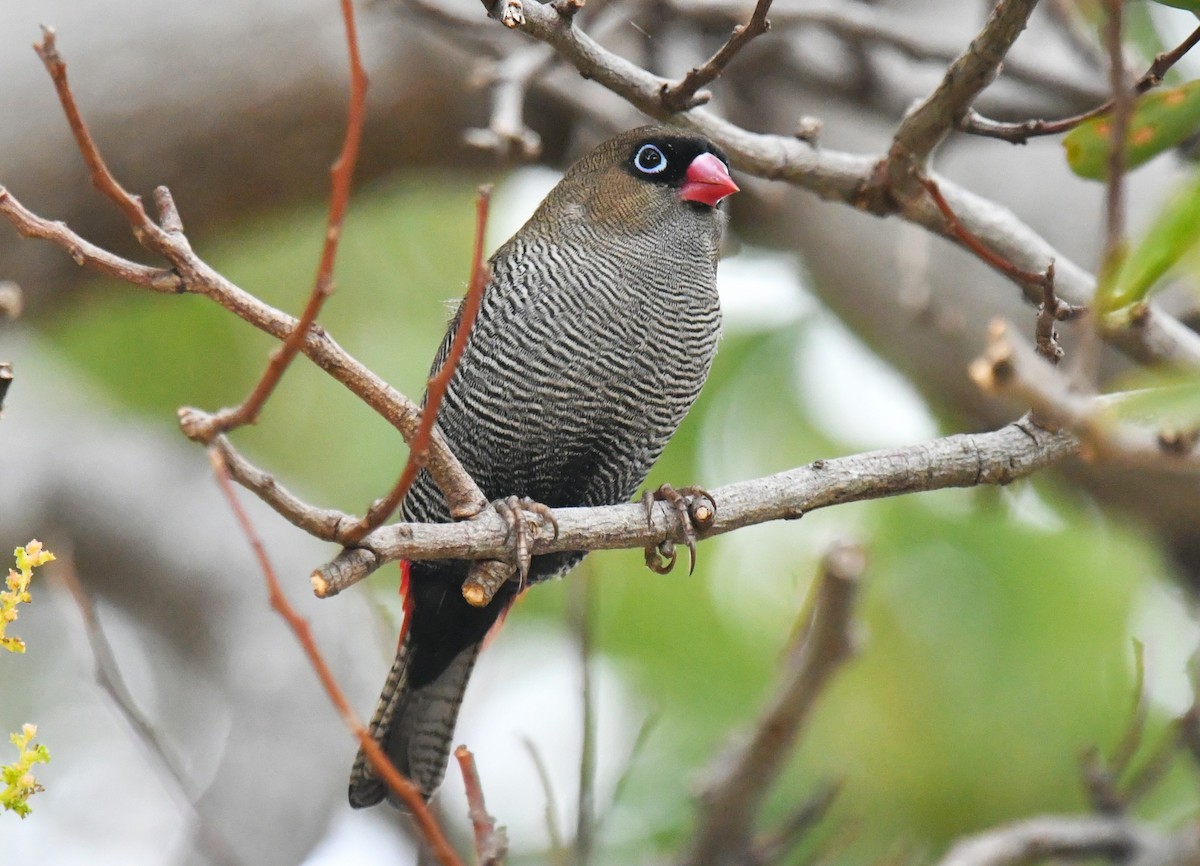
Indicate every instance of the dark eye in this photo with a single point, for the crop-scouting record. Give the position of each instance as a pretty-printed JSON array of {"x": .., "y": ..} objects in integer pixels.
[{"x": 649, "y": 159}]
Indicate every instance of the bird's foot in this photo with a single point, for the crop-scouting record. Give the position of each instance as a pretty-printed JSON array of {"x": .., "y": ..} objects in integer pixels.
[
  {"x": 695, "y": 509},
  {"x": 524, "y": 518}
]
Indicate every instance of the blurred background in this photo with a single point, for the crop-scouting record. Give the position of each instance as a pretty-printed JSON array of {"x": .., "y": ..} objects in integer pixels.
[{"x": 996, "y": 626}]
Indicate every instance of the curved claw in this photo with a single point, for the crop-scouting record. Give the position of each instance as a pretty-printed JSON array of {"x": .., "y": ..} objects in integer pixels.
[
  {"x": 696, "y": 511},
  {"x": 661, "y": 558}
]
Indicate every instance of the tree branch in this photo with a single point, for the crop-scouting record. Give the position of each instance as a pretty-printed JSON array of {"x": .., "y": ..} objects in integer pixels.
[
  {"x": 1156, "y": 337},
  {"x": 686, "y": 93},
  {"x": 964, "y": 460},
  {"x": 1075, "y": 838},
  {"x": 731, "y": 799},
  {"x": 931, "y": 120}
]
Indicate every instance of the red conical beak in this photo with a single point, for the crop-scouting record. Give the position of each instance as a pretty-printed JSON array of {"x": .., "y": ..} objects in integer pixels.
[{"x": 708, "y": 181}]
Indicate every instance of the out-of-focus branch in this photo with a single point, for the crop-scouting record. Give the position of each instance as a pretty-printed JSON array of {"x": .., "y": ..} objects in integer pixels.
[
  {"x": 109, "y": 677},
  {"x": 964, "y": 460},
  {"x": 491, "y": 842},
  {"x": 1076, "y": 838},
  {"x": 731, "y": 799},
  {"x": 1010, "y": 366}
]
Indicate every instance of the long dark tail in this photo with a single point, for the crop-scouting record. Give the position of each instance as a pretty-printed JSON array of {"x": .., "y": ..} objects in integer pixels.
[{"x": 414, "y": 721}]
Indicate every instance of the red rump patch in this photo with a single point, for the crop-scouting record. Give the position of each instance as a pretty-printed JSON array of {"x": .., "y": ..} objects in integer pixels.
[{"x": 406, "y": 601}]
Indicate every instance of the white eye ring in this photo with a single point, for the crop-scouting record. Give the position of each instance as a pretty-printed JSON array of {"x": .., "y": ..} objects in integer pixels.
[{"x": 650, "y": 159}]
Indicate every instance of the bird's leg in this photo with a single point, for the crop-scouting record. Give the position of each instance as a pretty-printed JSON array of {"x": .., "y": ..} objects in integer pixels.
[
  {"x": 523, "y": 514},
  {"x": 696, "y": 510}
]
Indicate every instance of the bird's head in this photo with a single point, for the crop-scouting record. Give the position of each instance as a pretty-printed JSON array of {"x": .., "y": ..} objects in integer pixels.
[{"x": 648, "y": 175}]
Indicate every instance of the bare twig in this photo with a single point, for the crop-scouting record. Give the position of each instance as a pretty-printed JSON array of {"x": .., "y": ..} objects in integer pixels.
[
  {"x": 1052, "y": 311},
  {"x": 341, "y": 174},
  {"x": 507, "y": 134},
  {"x": 965, "y": 460},
  {"x": 1019, "y": 133},
  {"x": 730, "y": 802},
  {"x": 929, "y": 122},
  {"x": 491, "y": 842},
  {"x": 775, "y": 846},
  {"x": 686, "y": 93},
  {"x": 558, "y": 851},
  {"x": 379, "y": 761},
  {"x": 436, "y": 387},
  {"x": 130, "y": 205},
  {"x": 1043, "y": 280},
  {"x": 108, "y": 675}
]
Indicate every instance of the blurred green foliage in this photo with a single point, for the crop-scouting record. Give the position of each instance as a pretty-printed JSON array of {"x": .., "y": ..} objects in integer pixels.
[{"x": 995, "y": 646}]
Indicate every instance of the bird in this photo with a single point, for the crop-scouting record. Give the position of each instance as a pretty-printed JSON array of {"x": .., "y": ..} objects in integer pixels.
[{"x": 595, "y": 334}]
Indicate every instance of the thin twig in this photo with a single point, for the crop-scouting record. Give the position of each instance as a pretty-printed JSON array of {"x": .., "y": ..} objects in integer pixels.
[
  {"x": 341, "y": 174},
  {"x": 435, "y": 390},
  {"x": 1044, "y": 280},
  {"x": 129, "y": 205},
  {"x": 779, "y": 843},
  {"x": 686, "y": 94},
  {"x": 380, "y": 764},
  {"x": 109, "y": 677},
  {"x": 491, "y": 842},
  {"x": 1019, "y": 133},
  {"x": 731, "y": 800},
  {"x": 558, "y": 850}
]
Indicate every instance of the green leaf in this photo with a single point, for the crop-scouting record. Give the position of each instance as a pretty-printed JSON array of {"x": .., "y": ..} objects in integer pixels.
[
  {"x": 1174, "y": 234},
  {"x": 1189, "y": 5},
  {"x": 1160, "y": 121}
]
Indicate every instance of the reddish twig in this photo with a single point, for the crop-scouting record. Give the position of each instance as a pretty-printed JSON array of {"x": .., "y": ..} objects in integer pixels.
[
  {"x": 981, "y": 250},
  {"x": 400, "y": 786},
  {"x": 685, "y": 93},
  {"x": 1019, "y": 133},
  {"x": 491, "y": 843},
  {"x": 129, "y": 204},
  {"x": 341, "y": 174},
  {"x": 436, "y": 387}
]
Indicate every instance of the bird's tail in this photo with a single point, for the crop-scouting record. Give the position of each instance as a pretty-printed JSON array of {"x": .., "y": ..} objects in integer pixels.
[{"x": 413, "y": 725}]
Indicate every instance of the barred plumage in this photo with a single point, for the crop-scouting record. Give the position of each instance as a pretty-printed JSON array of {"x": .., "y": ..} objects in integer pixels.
[{"x": 593, "y": 340}]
